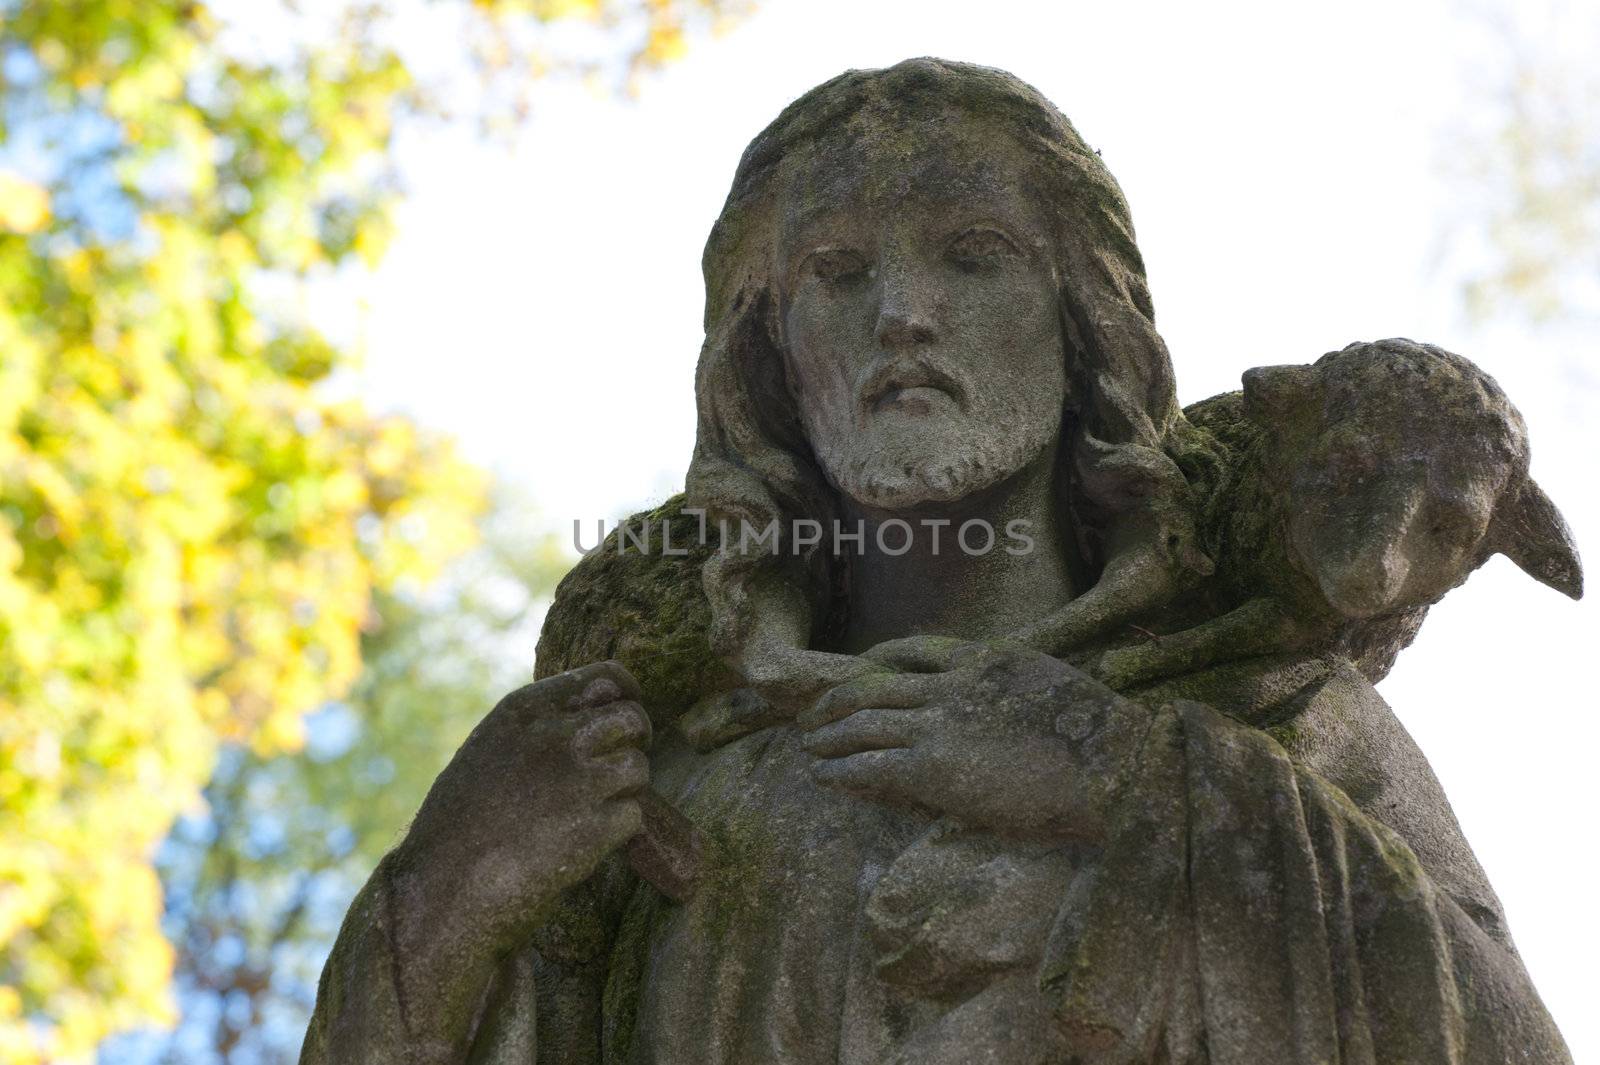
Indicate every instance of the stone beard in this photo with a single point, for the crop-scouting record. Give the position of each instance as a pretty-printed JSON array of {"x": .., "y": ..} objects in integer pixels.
[{"x": 873, "y": 456}]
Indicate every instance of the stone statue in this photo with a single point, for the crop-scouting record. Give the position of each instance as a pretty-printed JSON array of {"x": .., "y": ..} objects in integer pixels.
[{"x": 998, "y": 710}]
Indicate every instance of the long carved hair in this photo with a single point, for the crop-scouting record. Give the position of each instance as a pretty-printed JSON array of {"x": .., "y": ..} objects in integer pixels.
[{"x": 1125, "y": 434}]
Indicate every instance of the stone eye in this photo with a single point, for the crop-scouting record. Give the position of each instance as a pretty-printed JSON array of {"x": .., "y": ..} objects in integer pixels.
[
  {"x": 980, "y": 246},
  {"x": 1455, "y": 521},
  {"x": 835, "y": 265}
]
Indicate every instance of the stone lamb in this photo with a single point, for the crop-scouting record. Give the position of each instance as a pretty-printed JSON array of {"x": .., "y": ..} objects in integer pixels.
[{"x": 1362, "y": 488}]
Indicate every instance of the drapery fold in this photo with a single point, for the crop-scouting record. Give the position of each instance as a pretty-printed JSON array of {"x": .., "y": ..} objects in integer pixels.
[{"x": 1245, "y": 911}]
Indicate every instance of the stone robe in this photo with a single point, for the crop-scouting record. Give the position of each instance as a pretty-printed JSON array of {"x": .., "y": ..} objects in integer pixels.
[{"x": 1300, "y": 896}]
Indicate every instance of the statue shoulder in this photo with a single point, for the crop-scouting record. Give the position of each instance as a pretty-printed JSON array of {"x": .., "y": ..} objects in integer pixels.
[
  {"x": 1346, "y": 733},
  {"x": 638, "y": 599}
]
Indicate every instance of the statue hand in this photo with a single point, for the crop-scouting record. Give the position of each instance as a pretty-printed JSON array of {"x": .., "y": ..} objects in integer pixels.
[
  {"x": 543, "y": 789},
  {"x": 997, "y": 736}
]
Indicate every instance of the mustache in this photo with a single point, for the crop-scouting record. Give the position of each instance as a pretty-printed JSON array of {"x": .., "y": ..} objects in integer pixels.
[{"x": 907, "y": 371}]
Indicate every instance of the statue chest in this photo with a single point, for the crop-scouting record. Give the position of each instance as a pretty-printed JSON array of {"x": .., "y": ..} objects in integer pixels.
[{"x": 826, "y": 929}]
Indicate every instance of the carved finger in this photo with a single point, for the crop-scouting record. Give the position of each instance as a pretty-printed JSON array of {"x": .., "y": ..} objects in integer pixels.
[
  {"x": 979, "y": 654},
  {"x": 885, "y": 776},
  {"x": 725, "y": 716},
  {"x": 618, "y": 725},
  {"x": 621, "y": 773},
  {"x": 555, "y": 695},
  {"x": 916, "y": 654},
  {"x": 898, "y": 691},
  {"x": 603, "y": 682},
  {"x": 876, "y": 728}
]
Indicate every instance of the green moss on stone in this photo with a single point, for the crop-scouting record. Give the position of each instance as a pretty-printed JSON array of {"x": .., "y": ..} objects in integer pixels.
[{"x": 643, "y": 607}]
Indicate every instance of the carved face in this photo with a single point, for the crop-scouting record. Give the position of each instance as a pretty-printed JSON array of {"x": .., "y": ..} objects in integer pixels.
[
  {"x": 1385, "y": 527},
  {"x": 1405, "y": 467},
  {"x": 920, "y": 313}
]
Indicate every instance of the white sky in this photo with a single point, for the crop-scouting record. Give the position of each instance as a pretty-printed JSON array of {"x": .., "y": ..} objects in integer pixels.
[{"x": 544, "y": 305}]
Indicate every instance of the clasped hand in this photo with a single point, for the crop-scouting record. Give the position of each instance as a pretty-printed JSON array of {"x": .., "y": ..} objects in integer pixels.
[{"x": 998, "y": 736}]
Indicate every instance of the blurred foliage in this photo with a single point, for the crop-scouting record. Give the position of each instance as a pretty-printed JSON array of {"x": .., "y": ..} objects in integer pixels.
[
  {"x": 258, "y": 881},
  {"x": 611, "y": 44},
  {"x": 1529, "y": 158},
  {"x": 192, "y": 525}
]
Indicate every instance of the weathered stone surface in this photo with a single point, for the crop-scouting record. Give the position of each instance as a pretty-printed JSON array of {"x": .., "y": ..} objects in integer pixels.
[
  {"x": 895, "y": 813},
  {"x": 632, "y": 602},
  {"x": 1356, "y": 492}
]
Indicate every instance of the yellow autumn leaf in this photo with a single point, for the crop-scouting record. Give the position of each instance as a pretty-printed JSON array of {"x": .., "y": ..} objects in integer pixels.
[
  {"x": 158, "y": 379},
  {"x": 24, "y": 204}
]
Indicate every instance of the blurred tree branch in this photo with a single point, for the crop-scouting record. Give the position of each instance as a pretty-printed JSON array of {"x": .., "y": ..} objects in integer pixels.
[
  {"x": 1529, "y": 163},
  {"x": 192, "y": 527},
  {"x": 258, "y": 881}
]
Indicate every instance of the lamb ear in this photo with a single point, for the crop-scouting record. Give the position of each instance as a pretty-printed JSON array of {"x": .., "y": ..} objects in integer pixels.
[
  {"x": 1529, "y": 530},
  {"x": 1271, "y": 393}
]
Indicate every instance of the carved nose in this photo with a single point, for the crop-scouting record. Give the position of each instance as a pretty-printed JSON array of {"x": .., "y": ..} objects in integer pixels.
[
  {"x": 904, "y": 330},
  {"x": 903, "y": 319},
  {"x": 1362, "y": 563},
  {"x": 1367, "y": 585}
]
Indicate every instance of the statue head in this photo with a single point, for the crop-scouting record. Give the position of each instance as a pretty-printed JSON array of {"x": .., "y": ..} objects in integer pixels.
[
  {"x": 1407, "y": 466},
  {"x": 916, "y": 307},
  {"x": 922, "y": 279}
]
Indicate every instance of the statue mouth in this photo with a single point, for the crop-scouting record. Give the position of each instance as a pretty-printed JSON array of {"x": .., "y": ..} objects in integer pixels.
[{"x": 914, "y": 386}]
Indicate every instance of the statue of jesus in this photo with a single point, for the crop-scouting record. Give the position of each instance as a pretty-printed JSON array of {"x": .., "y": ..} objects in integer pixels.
[{"x": 925, "y": 829}]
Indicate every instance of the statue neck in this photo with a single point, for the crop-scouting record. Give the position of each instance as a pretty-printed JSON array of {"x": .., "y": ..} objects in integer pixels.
[{"x": 948, "y": 585}]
